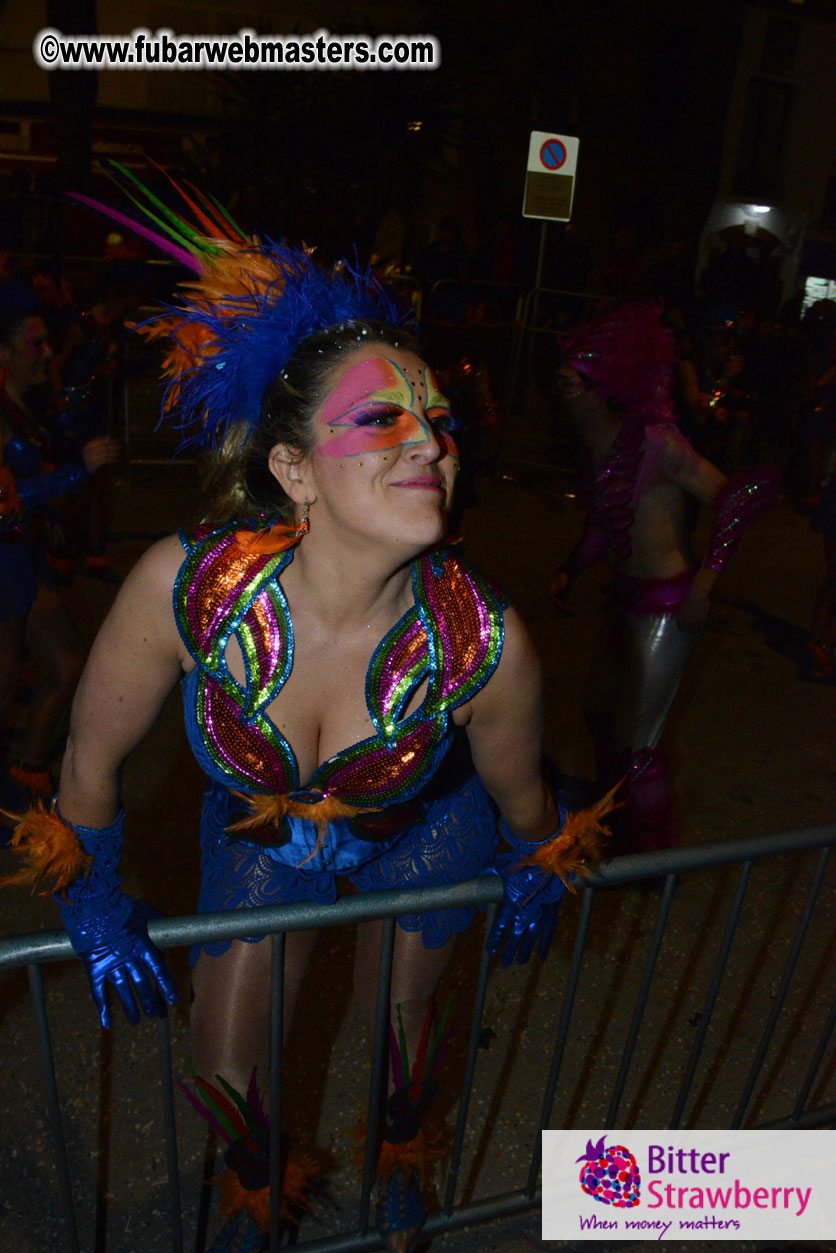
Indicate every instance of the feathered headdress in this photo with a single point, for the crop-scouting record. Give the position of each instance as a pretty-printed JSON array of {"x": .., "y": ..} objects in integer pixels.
[
  {"x": 627, "y": 355},
  {"x": 238, "y": 322}
]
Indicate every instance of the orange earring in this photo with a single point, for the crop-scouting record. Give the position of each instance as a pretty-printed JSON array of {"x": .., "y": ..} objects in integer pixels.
[{"x": 304, "y": 522}]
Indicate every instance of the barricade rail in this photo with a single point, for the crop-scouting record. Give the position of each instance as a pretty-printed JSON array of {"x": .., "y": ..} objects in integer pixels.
[{"x": 670, "y": 867}]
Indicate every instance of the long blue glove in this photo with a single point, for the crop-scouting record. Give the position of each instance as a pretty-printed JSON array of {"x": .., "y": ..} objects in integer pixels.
[
  {"x": 108, "y": 930},
  {"x": 34, "y": 485},
  {"x": 38, "y": 489},
  {"x": 528, "y": 913}
]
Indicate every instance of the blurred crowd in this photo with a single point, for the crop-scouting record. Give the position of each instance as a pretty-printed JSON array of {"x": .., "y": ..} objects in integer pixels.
[
  {"x": 754, "y": 377},
  {"x": 63, "y": 363},
  {"x": 755, "y": 382}
]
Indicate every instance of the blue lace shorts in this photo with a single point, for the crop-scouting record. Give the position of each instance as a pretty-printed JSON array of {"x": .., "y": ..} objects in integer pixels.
[{"x": 455, "y": 841}]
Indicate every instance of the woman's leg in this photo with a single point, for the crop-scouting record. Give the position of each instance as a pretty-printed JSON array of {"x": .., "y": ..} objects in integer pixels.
[
  {"x": 655, "y": 655},
  {"x": 416, "y": 972},
  {"x": 231, "y": 1007}
]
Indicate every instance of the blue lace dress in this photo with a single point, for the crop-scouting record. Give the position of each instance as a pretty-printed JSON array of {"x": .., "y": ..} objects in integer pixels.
[{"x": 409, "y": 809}]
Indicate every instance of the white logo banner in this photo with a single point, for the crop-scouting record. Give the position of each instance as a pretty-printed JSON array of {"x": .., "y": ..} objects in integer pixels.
[{"x": 688, "y": 1185}]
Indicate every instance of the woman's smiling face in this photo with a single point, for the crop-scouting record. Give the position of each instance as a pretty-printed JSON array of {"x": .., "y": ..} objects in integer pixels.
[{"x": 385, "y": 460}]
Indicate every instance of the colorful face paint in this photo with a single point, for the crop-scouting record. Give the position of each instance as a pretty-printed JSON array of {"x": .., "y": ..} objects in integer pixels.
[
  {"x": 373, "y": 409},
  {"x": 437, "y": 409}
]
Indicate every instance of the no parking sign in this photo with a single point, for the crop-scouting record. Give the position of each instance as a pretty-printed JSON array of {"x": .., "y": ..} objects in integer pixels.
[{"x": 550, "y": 176}]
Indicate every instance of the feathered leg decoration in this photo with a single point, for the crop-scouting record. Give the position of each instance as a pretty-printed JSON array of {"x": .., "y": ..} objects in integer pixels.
[
  {"x": 244, "y": 1186},
  {"x": 409, "y": 1148}
]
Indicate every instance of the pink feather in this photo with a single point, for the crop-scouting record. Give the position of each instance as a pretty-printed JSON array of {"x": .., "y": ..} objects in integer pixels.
[
  {"x": 628, "y": 356},
  {"x": 254, "y": 1098},
  {"x": 205, "y": 1113},
  {"x": 159, "y": 241}
]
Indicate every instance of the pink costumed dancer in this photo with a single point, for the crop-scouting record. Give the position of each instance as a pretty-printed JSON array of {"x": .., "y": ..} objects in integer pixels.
[{"x": 642, "y": 479}]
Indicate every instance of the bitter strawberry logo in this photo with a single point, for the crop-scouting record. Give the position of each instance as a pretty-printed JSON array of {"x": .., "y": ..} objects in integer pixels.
[{"x": 610, "y": 1175}]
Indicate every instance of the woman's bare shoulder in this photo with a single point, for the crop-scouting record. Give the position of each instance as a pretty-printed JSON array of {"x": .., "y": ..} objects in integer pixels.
[
  {"x": 153, "y": 577},
  {"x": 160, "y": 564}
]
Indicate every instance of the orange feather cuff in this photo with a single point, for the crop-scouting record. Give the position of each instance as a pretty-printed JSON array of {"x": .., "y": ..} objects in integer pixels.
[
  {"x": 580, "y": 844},
  {"x": 416, "y": 1157},
  {"x": 300, "y": 1176},
  {"x": 52, "y": 854}
]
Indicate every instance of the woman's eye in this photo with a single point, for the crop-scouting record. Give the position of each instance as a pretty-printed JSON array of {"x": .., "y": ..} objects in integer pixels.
[
  {"x": 443, "y": 420},
  {"x": 380, "y": 416}
]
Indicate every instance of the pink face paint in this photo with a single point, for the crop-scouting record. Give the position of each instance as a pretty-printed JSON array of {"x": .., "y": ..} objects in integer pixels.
[{"x": 370, "y": 410}]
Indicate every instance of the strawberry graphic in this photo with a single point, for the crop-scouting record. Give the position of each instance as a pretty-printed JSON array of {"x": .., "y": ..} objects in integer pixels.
[{"x": 610, "y": 1175}]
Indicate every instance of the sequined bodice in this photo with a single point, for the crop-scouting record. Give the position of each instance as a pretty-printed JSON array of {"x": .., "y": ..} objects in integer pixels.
[
  {"x": 451, "y": 637},
  {"x": 614, "y": 489}
]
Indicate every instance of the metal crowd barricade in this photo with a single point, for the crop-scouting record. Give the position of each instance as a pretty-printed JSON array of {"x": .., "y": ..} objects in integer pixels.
[{"x": 671, "y": 866}]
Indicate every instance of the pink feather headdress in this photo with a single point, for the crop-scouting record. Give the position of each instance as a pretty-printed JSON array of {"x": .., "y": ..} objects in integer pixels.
[{"x": 627, "y": 355}]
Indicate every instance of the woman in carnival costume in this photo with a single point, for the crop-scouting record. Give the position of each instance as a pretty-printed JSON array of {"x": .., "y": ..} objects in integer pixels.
[
  {"x": 32, "y": 616},
  {"x": 643, "y": 481},
  {"x": 343, "y": 672}
]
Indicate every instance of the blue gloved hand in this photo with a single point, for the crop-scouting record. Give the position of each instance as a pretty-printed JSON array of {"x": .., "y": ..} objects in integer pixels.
[
  {"x": 528, "y": 913},
  {"x": 115, "y": 948},
  {"x": 108, "y": 931}
]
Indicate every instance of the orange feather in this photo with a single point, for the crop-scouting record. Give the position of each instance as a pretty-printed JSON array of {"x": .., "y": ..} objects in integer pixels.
[
  {"x": 415, "y": 1157},
  {"x": 580, "y": 843},
  {"x": 52, "y": 854},
  {"x": 268, "y": 811},
  {"x": 300, "y": 1176},
  {"x": 233, "y": 284},
  {"x": 230, "y": 280},
  {"x": 431, "y": 1144}
]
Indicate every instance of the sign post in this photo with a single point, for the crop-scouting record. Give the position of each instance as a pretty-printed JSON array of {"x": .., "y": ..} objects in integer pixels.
[
  {"x": 549, "y": 192},
  {"x": 550, "y": 176},
  {"x": 549, "y": 183}
]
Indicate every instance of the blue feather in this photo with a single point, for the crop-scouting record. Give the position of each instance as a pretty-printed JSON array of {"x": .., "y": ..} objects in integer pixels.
[{"x": 254, "y": 336}]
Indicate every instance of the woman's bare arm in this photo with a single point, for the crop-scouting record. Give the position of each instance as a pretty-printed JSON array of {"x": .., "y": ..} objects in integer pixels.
[
  {"x": 701, "y": 479},
  {"x": 505, "y": 731},
  {"x": 135, "y": 661}
]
